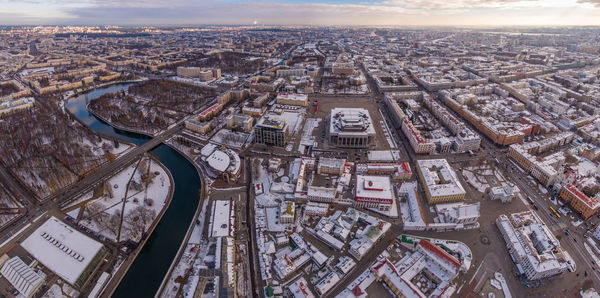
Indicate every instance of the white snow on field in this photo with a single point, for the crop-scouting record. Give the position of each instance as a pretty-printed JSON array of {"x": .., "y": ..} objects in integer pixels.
[
  {"x": 65, "y": 251},
  {"x": 196, "y": 235},
  {"x": 267, "y": 198},
  {"x": 73, "y": 213},
  {"x": 98, "y": 149},
  {"x": 471, "y": 179},
  {"x": 148, "y": 200},
  {"x": 84, "y": 197},
  {"x": 383, "y": 155}
]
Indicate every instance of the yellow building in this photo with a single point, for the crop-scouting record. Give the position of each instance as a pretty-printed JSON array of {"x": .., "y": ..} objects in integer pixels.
[{"x": 439, "y": 181}]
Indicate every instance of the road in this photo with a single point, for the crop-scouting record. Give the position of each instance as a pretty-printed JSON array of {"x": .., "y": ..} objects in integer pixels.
[{"x": 572, "y": 243}]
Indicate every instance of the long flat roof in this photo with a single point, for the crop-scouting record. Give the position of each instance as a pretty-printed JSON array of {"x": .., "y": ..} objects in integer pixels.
[
  {"x": 378, "y": 187},
  {"x": 64, "y": 250}
]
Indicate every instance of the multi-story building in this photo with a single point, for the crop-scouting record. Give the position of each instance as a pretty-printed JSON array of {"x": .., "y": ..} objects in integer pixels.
[
  {"x": 439, "y": 181},
  {"x": 240, "y": 120},
  {"x": 373, "y": 192},
  {"x": 331, "y": 166},
  {"x": 533, "y": 247},
  {"x": 581, "y": 203},
  {"x": 520, "y": 156},
  {"x": 544, "y": 173},
  {"x": 399, "y": 170},
  {"x": 197, "y": 126},
  {"x": 293, "y": 99},
  {"x": 429, "y": 260},
  {"x": 14, "y": 105},
  {"x": 188, "y": 72},
  {"x": 299, "y": 289},
  {"x": 419, "y": 144},
  {"x": 316, "y": 209},
  {"x": 271, "y": 130},
  {"x": 351, "y": 128}
]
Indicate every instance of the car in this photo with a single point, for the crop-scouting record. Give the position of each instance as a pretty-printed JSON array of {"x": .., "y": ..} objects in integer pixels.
[{"x": 574, "y": 240}]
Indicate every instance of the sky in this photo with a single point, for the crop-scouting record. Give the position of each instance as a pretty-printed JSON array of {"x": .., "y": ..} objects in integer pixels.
[{"x": 302, "y": 12}]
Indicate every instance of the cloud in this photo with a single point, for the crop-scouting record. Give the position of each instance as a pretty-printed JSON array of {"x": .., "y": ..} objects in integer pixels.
[
  {"x": 217, "y": 12},
  {"x": 307, "y": 12},
  {"x": 593, "y": 2}
]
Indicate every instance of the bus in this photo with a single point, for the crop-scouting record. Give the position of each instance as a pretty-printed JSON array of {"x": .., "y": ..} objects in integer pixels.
[
  {"x": 530, "y": 200},
  {"x": 554, "y": 211}
]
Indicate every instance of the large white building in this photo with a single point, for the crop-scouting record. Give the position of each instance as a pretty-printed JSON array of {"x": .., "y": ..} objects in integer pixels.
[
  {"x": 351, "y": 128},
  {"x": 532, "y": 246},
  {"x": 65, "y": 251},
  {"x": 374, "y": 192}
]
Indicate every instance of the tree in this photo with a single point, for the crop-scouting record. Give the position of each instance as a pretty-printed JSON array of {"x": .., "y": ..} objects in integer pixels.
[{"x": 114, "y": 223}]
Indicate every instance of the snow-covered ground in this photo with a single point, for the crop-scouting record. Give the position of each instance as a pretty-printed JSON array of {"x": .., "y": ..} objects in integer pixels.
[
  {"x": 307, "y": 138},
  {"x": 141, "y": 206},
  {"x": 273, "y": 224},
  {"x": 477, "y": 177},
  {"x": 266, "y": 199},
  {"x": 383, "y": 155}
]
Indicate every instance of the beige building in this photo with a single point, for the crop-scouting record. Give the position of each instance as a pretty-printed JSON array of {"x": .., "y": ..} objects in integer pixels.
[
  {"x": 439, "y": 181},
  {"x": 242, "y": 121}
]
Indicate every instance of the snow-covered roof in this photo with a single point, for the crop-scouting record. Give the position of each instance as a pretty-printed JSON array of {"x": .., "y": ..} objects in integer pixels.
[
  {"x": 220, "y": 220},
  {"x": 299, "y": 289},
  {"x": 62, "y": 249},
  {"x": 208, "y": 149},
  {"x": 378, "y": 187},
  {"x": 219, "y": 160},
  {"x": 439, "y": 177},
  {"x": 21, "y": 276},
  {"x": 351, "y": 121}
]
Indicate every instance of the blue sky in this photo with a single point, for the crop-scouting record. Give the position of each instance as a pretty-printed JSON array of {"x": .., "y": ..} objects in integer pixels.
[{"x": 308, "y": 12}]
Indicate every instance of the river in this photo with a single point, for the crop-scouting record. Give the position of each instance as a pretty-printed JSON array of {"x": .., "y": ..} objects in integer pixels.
[{"x": 148, "y": 270}]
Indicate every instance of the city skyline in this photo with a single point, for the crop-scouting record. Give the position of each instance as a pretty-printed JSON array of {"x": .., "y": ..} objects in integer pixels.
[{"x": 303, "y": 12}]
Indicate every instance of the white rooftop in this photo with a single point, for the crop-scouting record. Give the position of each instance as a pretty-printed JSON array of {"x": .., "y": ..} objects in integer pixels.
[
  {"x": 62, "y": 249},
  {"x": 351, "y": 121},
  {"x": 439, "y": 177},
  {"x": 374, "y": 187},
  {"x": 220, "y": 221},
  {"x": 219, "y": 160}
]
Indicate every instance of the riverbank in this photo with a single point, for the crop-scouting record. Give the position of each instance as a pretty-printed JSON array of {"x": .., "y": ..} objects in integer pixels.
[
  {"x": 124, "y": 267},
  {"x": 202, "y": 206},
  {"x": 150, "y": 263}
]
